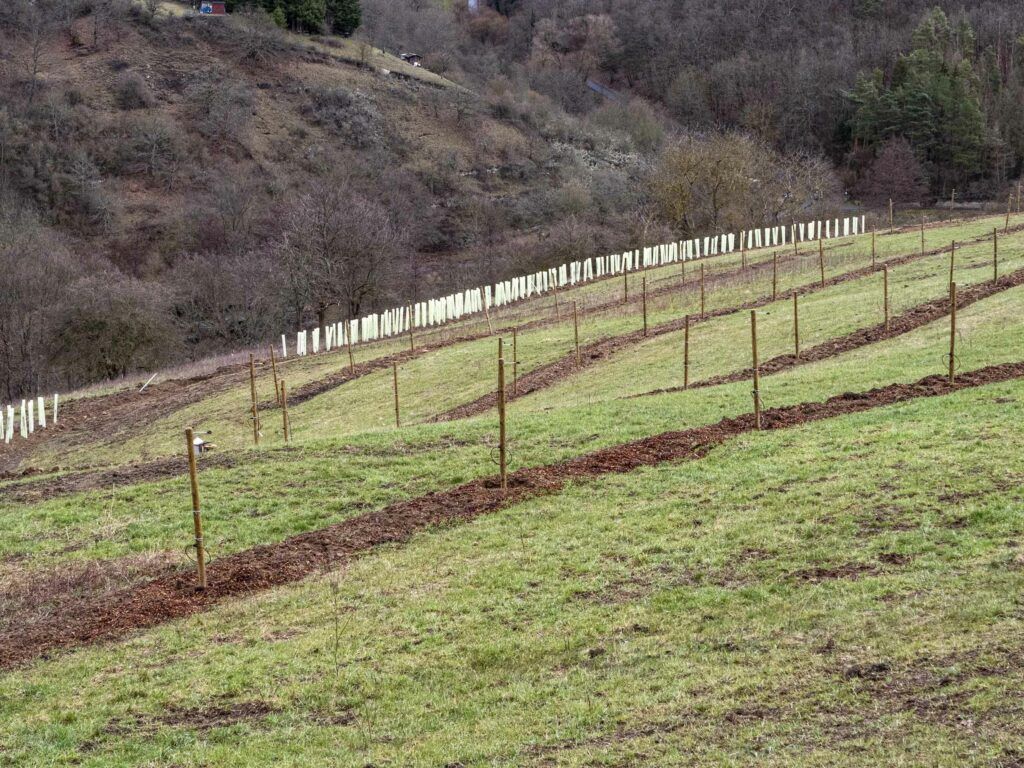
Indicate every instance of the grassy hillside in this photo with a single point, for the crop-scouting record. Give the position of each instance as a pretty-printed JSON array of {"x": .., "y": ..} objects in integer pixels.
[{"x": 661, "y": 584}]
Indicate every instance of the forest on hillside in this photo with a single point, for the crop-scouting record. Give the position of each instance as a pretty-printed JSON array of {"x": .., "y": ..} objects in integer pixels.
[
  {"x": 177, "y": 188},
  {"x": 838, "y": 78}
]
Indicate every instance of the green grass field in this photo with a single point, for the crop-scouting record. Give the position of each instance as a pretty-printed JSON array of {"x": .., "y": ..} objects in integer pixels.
[{"x": 845, "y": 592}]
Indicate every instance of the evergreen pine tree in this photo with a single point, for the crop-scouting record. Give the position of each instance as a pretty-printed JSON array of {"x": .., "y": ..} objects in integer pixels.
[
  {"x": 933, "y": 100},
  {"x": 344, "y": 16}
]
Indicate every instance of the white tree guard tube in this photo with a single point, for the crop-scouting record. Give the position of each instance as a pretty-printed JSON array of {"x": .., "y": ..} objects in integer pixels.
[{"x": 41, "y": 411}]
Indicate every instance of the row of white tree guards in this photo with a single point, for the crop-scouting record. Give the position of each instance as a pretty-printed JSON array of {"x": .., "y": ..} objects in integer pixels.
[
  {"x": 455, "y": 306},
  {"x": 32, "y": 414},
  {"x": 28, "y": 418}
]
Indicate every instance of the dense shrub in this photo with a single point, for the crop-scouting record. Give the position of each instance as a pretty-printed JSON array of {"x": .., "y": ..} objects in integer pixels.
[
  {"x": 348, "y": 115},
  {"x": 220, "y": 108},
  {"x": 132, "y": 92},
  {"x": 110, "y": 326},
  {"x": 147, "y": 145}
]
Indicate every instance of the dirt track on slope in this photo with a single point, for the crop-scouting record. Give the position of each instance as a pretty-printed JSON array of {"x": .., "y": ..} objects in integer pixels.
[
  {"x": 35, "y": 491},
  {"x": 110, "y": 418},
  {"x": 116, "y": 615},
  {"x": 548, "y": 375}
]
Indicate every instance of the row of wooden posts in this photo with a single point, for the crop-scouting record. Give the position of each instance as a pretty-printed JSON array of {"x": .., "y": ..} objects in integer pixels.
[
  {"x": 281, "y": 393},
  {"x": 502, "y": 398},
  {"x": 281, "y": 390},
  {"x": 796, "y": 337},
  {"x": 1009, "y": 209}
]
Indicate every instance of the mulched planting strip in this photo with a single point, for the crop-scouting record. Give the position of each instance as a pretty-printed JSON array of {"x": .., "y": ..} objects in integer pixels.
[
  {"x": 552, "y": 373},
  {"x": 914, "y": 318},
  {"x": 116, "y": 615}
]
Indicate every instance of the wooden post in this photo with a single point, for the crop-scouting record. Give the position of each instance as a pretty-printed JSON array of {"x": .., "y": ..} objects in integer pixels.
[
  {"x": 394, "y": 370},
  {"x": 775, "y": 276},
  {"x": 872, "y": 249},
  {"x": 952, "y": 256},
  {"x": 286, "y": 424},
  {"x": 885, "y": 294},
  {"x": 351, "y": 358},
  {"x": 995, "y": 255},
  {"x": 1009, "y": 203},
  {"x": 922, "y": 235},
  {"x": 501, "y": 347},
  {"x": 487, "y": 316},
  {"x": 821, "y": 260},
  {"x": 273, "y": 367},
  {"x": 255, "y": 407},
  {"x": 558, "y": 312},
  {"x": 743, "y": 255},
  {"x": 502, "y": 453},
  {"x": 796, "y": 248},
  {"x": 412, "y": 341},
  {"x": 952, "y": 333},
  {"x": 515, "y": 362},
  {"x": 890, "y": 215},
  {"x": 796, "y": 326},
  {"x": 644, "y": 289},
  {"x": 576, "y": 331},
  {"x": 702, "y": 289},
  {"x": 686, "y": 352},
  {"x": 625, "y": 284},
  {"x": 757, "y": 372},
  {"x": 682, "y": 270},
  {"x": 197, "y": 518}
]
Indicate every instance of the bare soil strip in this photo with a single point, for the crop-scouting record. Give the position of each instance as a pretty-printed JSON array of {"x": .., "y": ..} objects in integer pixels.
[
  {"x": 110, "y": 418},
  {"x": 116, "y": 615},
  {"x": 52, "y": 487},
  {"x": 545, "y": 376},
  {"x": 114, "y": 417},
  {"x": 160, "y": 469},
  {"x": 914, "y": 318}
]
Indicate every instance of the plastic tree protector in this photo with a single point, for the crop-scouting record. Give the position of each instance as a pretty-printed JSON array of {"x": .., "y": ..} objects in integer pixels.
[{"x": 454, "y": 306}]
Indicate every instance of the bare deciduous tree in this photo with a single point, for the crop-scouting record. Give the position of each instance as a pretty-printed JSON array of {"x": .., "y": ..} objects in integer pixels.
[
  {"x": 732, "y": 181},
  {"x": 36, "y": 267},
  {"x": 336, "y": 249}
]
